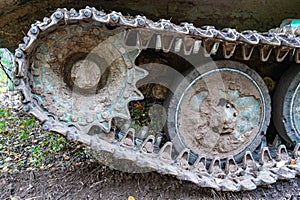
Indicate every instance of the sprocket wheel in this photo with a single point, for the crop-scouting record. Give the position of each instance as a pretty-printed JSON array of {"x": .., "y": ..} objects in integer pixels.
[
  {"x": 221, "y": 109},
  {"x": 81, "y": 76}
]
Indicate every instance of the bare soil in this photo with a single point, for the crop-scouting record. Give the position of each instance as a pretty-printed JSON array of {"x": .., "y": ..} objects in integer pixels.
[{"x": 94, "y": 181}]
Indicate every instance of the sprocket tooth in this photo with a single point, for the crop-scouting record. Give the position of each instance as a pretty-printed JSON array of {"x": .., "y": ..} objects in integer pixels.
[
  {"x": 128, "y": 138},
  {"x": 148, "y": 145},
  {"x": 165, "y": 152},
  {"x": 228, "y": 49},
  {"x": 197, "y": 46},
  {"x": 182, "y": 159}
]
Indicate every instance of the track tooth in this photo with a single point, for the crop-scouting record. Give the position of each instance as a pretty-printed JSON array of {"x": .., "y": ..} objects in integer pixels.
[
  {"x": 131, "y": 38},
  {"x": 197, "y": 46},
  {"x": 282, "y": 154},
  {"x": 165, "y": 152},
  {"x": 205, "y": 179},
  {"x": 249, "y": 162},
  {"x": 296, "y": 151},
  {"x": 215, "y": 167},
  {"x": 297, "y": 55},
  {"x": 228, "y": 49},
  {"x": 281, "y": 169},
  {"x": 167, "y": 42},
  {"x": 128, "y": 139},
  {"x": 234, "y": 172},
  {"x": 144, "y": 38},
  {"x": 188, "y": 45},
  {"x": 210, "y": 47},
  {"x": 265, "y": 158},
  {"x": 295, "y": 163},
  {"x": 265, "y": 176},
  {"x": 281, "y": 53},
  {"x": 231, "y": 167},
  {"x": 158, "y": 42},
  {"x": 200, "y": 165},
  {"x": 247, "y": 51},
  {"x": 182, "y": 159},
  {"x": 224, "y": 182},
  {"x": 148, "y": 144},
  {"x": 265, "y": 52},
  {"x": 178, "y": 44}
]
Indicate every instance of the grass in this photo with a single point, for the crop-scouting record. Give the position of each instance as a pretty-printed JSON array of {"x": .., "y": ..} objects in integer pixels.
[{"x": 24, "y": 146}]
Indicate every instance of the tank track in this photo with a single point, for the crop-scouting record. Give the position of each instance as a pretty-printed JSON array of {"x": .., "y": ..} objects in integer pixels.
[{"x": 264, "y": 168}]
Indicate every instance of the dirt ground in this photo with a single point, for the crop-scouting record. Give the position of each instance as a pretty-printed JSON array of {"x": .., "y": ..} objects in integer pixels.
[{"x": 94, "y": 181}]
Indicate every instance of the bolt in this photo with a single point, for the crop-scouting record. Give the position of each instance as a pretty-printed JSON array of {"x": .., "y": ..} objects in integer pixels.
[
  {"x": 167, "y": 26},
  {"x": 17, "y": 82},
  {"x": 73, "y": 11},
  {"x": 19, "y": 54},
  {"x": 105, "y": 115},
  {"x": 141, "y": 22},
  {"x": 45, "y": 126},
  {"x": 58, "y": 15},
  {"x": 26, "y": 40},
  {"x": 87, "y": 13},
  {"x": 46, "y": 19},
  {"x": 114, "y": 18},
  {"x": 34, "y": 30}
]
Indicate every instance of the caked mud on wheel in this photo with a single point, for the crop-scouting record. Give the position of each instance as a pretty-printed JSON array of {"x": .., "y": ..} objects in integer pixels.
[{"x": 221, "y": 109}]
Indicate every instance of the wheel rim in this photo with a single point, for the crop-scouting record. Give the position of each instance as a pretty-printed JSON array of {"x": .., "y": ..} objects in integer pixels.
[
  {"x": 216, "y": 117},
  {"x": 295, "y": 109}
]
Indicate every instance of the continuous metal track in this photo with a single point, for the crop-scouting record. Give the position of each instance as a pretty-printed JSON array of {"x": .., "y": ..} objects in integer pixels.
[{"x": 146, "y": 153}]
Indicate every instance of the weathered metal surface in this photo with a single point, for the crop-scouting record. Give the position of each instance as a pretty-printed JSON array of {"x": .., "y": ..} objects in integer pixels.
[
  {"x": 37, "y": 73},
  {"x": 17, "y": 15}
]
